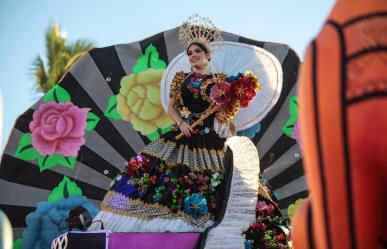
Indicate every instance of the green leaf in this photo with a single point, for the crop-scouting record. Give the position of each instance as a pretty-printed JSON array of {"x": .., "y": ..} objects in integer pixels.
[
  {"x": 49, "y": 161},
  {"x": 148, "y": 60},
  {"x": 289, "y": 125},
  {"x": 65, "y": 161},
  {"x": 57, "y": 94},
  {"x": 111, "y": 109},
  {"x": 46, "y": 162},
  {"x": 64, "y": 189},
  {"x": 155, "y": 135},
  {"x": 92, "y": 121},
  {"x": 152, "y": 137},
  {"x": 25, "y": 150},
  {"x": 18, "y": 244},
  {"x": 167, "y": 129}
]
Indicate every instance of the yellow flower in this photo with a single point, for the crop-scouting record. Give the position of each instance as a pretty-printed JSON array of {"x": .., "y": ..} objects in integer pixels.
[{"x": 139, "y": 101}]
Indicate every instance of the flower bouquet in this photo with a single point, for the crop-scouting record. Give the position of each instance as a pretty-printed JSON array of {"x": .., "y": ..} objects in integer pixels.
[
  {"x": 270, "y": 229},
  {"x": 230, "y": 95}
]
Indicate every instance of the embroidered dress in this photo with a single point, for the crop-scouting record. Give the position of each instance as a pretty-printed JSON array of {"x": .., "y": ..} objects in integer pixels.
[{"x": 174, "y": 185}]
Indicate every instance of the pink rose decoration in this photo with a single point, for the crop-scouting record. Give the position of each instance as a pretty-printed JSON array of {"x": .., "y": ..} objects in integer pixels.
[
  {"x": 296, "y": 133},
  {"x": 58, "y": 128}
]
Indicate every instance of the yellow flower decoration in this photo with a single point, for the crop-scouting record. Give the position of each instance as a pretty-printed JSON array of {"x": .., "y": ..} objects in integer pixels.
[
  {"x": 139, "y": 101},
  {"x": 293, "y": 207}
]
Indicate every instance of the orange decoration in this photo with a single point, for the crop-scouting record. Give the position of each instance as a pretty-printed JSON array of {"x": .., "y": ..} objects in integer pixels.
[{"x": 343, "y": 115}]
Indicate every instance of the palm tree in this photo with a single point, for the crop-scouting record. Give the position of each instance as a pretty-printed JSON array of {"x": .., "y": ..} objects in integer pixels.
[{"x": 60, "y": 56}]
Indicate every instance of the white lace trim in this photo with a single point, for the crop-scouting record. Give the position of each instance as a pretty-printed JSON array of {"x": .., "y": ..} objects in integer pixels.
[
  {"x": 240, "y": 210},
  {"x": 123, "y": 223},
  {"x": 224, "y": 129}
]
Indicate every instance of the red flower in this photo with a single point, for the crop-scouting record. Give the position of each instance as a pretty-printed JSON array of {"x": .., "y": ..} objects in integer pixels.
[
  {"x": 220, "y": 93},
  {"x": 243, "y": 90},
  {"x": 280, "y": 236},
  {"x": 258, "y": 227},
  {"x": 133, "y": 167},
  {"x": 153, "y": 179},
  {"x": 138, "y": 166}
]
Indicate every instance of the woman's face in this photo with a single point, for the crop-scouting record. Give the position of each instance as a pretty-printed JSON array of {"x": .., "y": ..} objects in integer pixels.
[{"x": 198, "y": 58}]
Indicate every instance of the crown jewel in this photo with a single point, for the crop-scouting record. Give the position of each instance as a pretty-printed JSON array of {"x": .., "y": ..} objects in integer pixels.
[{"x": 201, "y": 30}]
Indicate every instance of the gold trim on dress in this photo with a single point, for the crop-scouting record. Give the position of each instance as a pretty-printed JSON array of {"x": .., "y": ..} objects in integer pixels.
[
  {"x": 175, "y": 89},
  {"x": 175, "y": 93},
  {"x": 196, "y": 159}
]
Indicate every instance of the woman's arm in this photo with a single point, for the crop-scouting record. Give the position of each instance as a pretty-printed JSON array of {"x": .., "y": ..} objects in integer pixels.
[{"x": 185, "y": 128}]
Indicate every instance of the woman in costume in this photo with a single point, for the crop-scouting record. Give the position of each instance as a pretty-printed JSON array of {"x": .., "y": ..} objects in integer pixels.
[{"x": 177, "y": 185}]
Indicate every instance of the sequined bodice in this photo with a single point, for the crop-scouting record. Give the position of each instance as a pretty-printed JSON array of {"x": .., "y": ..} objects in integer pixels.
[{"x": 195, "y": 92}]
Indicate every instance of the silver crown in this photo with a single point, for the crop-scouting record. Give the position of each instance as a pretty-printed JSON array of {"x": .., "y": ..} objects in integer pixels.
[{"x": 201, "y": 30}]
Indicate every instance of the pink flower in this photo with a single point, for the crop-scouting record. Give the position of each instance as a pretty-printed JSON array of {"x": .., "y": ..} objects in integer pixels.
[
  {"x": 296, "y": 133},
  {"x": 261, "y": 205},
  {"x": 265, "y": 208},
  {"x": 219, "y": 93},
  {"x": 58, "y": 128},
  {"x": 270, "y": 209}
]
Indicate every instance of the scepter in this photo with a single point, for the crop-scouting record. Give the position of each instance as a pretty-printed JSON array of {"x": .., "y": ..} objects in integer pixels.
[
  {"x": 202, "y": 118},
  {"x": 233, "y": 93}
]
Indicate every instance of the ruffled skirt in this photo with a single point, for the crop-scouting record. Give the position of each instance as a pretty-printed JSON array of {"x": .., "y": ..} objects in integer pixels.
[{"x": 175, "y": 186}]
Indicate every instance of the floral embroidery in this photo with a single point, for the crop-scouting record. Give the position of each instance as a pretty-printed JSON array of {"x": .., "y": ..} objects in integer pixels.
[
  {"x": 125, "y": 187},
  {"x": 191, "y": 192},
  {"x": 204, "y": 131},
  {"x": 138, "y": 166},
  {"x": 198, "y": 83},
  {"x": 189, "y": 117},
  {"x": 194, "y": 86},
  {"x": 201, "y": 131},
  {"x": 166, "y": 179},
  {"x": 195, "y": 205},
  {"x": 184, "y": 112},
  {"x": 216, "y": 179},
  {"x": 159, "y": 193}
]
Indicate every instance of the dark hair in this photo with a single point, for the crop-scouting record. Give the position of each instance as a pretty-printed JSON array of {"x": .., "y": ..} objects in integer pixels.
[{"x": 201, "y": 46}]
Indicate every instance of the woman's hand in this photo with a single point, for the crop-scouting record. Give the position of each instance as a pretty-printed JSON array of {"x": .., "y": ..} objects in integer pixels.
[{"x": 185, "y": 128}]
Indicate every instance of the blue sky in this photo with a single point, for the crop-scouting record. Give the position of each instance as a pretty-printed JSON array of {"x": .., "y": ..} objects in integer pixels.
[{"x": 24, "y": 22}]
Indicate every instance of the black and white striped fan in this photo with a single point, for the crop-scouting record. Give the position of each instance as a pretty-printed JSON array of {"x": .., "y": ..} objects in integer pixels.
[{"x": 28, "y": 177}]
